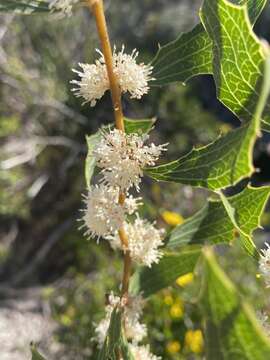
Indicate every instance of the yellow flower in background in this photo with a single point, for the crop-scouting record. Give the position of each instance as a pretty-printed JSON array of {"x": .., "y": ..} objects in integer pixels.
[
  {"x": 185, "y": 279},
  {"x": 65, "y": 320},
  {"x": 177, "y": 309},
  {"x": 194, "y": 341},
  {"x": 172, "y": 218},
  {"x": 173, "y": 347},
  {"x": 168, "y": 299}
]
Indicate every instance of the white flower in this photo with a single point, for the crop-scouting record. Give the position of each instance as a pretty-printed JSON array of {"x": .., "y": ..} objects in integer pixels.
[
  {"x": 264, "y": 264},
  {"x": 132, "y": 77},
  {"x": 143, "y": 241},
  {"x": 103, "y": 214},
  {"x": 132, "y": 311},
  {"x": 94, "y": 82},
  {"x": 264, "y": 321},
  {"x": 64, "y": 7},
  {"x": 142, "y": 353},
  {"x": 131, "y": 204},
  {"x": 123, "y": 158}
]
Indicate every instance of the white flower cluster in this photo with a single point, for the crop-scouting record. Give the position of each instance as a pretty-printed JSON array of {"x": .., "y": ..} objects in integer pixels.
[
  {"x": 264, "y": 264},
  {"x": 264, "y": 321},
  {"x": 94, "y": 82},
  {"x": 132, "y": 312},
  {"x": 64, "y": 7},
  {"x": 143, "y": 241},
  {"x": 122, "y": 158},
  {"x": 103, "y": 214},
  {"x": 134, "y": 330},
  {"x": 142, "y": 353}
]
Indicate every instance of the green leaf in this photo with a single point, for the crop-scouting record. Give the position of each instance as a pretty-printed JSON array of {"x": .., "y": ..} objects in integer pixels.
[
  {"x": 221, "y": 221},
  {"x": 115, "y": 342},
  {"x": 191, "y": 53},
  {"x": 111, "y": 343},
  {"x": 90, "y": 161},
  {"x": 238, "y": 57},
  {"x": 24, "y": 6},
  {"x": 215, "y": 166},
  {"x": 172, "y": 265},
  {"x": 232, "y": 331},
  {"x": 141, "y": 126},
  {"x": 35, "y": 354},
  {"x": 246, "y": 218},
  {"x": 225, "y": 161}
]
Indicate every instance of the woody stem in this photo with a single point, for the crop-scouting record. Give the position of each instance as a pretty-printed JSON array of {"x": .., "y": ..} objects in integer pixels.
[{"x": 98, "y": 10}]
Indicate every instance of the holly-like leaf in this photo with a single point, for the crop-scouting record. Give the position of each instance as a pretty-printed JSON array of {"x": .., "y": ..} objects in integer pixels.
[
  {"x": 238, "y": 58},
  {"x": 140, "y": 126},
  {"x": 215, "y": 166},
  {"x": 223, "y": 221},
  {"x": 191, "y": 53},
  {"x": 225, "y": 161},
  {"x": 26, "y": 7},
  {"x": 187, "y": 56},
  {"x": 172, "y": 265},
  {"x": 232, "y": 330}
]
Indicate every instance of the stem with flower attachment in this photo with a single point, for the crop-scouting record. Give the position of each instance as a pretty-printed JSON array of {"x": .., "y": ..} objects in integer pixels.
[{"x": 98, "y": 10}]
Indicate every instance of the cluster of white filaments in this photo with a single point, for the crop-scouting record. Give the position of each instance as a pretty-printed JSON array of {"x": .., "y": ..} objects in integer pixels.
[
  {"x": 103, "y": 214},
  {"x": 142, "y": 352},
  {"x": 264, "y": 264},
  {"x": 263, "y": 318},
  {"x": 131, "y": 77},
  {"x": 143, "y": 241},
  {"x": 63, "y": 7},
  {"x": 134, "y": 330},
  {"x": 123, "y": 157},
  {"x": 132, "y": 312}
]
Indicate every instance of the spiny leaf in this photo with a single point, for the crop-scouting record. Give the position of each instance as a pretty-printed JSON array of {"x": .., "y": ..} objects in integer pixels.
[
  {"x": 191, "y": 53},
  {"x": 238, "y": 57},
  {"x": 216, "y": 224},
  {"x": 141, "y": 126},
  {"x": 170, "y": 267},
  {"x": 232, "y": 331},
  {"x": 225, "y": 161},
  {"x": 24, "y": 6},
  {"x": 215, "y": 166}
]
